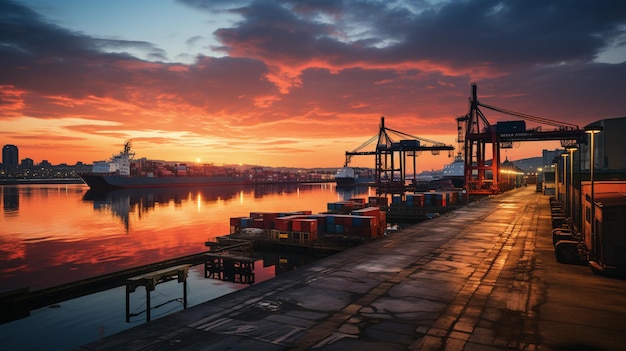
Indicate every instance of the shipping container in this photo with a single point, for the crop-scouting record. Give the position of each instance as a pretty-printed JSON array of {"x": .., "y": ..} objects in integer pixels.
[
  {"x": 509, "y": 127},
  {"x": 429, "y": 199},
  {"x": 415, "y": 200},
  {"x": 358, "y": 200},
  {"x": 396, "y": 199},
  {"x": 344, "y": 206},
  {"x": 293, "y": 213},
  {"x": 409, "y": 144},
  {"x": 378, "y": 201},
  {"x": 283, "y": 224}
]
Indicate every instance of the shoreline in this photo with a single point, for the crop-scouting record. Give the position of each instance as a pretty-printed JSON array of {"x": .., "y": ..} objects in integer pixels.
[{"x": 41, "y": 181}]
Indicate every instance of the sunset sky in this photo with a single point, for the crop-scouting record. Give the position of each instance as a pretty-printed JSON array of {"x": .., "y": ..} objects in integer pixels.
[{"x": 295, "y": 83}]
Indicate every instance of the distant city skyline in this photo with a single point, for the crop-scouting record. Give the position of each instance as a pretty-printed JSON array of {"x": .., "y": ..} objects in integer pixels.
[
  {"x": 47, "y": 163},
  {"x": 10, "y": 158},
  {"x": 14, "y": 167}
]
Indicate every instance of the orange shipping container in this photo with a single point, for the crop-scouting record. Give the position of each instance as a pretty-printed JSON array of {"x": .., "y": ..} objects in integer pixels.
[
  {"x": 304, "y": 225},
  {"x": 368, "y": 211}
]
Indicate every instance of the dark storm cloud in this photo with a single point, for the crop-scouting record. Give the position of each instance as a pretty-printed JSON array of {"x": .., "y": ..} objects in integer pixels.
[
  {"x": 109, "y": 44},
  {"x": 577, "y": 93},
  {"x": 273, "y": 32},
  {"x": 26, "y": 35},
  {"x": 35, "y": 54},
  {"x": 350, "y": 57},
  {"x": 501, "y": 34},
  {"x": 535, "y": 54},
  {"x": 507, "y": 33}
]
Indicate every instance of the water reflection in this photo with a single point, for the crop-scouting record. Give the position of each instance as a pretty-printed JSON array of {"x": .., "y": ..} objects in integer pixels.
[
  {"x": 10, "y": 201},
  {"x": 124, "y": 202},
  {"x": 351, "y": 192},
  {"x": 56, "y": 234},
  {"x": 285, "y": 262},
  {"x": 121, "y": 203}
]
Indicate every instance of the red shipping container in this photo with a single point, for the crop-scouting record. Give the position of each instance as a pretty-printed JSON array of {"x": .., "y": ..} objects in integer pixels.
[
  {"x": 282, "y": 224},
  {"x": 304, "y": 225},
  {"x": 383, "y": 218},
  {"x": 368, "y": 211},
  {"x": 346, "y": 220},
  {"x": 267, "y": 216},
  {"x": 418, "y": 200},
  {"x": 268, "y": 224},
  {"x": 257, "y": 223},
  {"x": 285, "y": 214},
  {"x": 236, "y": 221},
  {"x": 320, "y": 219},
  {"x": 310, "y": 226},
  {"x": 296, "y": 225}
]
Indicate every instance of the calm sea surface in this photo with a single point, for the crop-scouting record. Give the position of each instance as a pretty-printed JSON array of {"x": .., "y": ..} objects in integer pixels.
[{"x": 55, "y": 234}]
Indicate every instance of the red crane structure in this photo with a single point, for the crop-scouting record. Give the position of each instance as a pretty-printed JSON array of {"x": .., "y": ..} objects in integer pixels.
[
  {"x": 392, "y": 156},
  {"x": 475, "y": 134}
]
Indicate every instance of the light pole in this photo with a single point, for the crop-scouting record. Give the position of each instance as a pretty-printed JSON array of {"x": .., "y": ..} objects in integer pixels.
[
  {"x": 564, "y": 155},
  {"x": 540, "y": 180},
  {"x": 555, "y": 165},
  {"x": 570, "y": 197},
  {"x": 592, "y": 131}
]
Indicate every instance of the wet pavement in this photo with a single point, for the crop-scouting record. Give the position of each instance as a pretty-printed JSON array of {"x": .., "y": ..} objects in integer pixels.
[{"x": 483, "y": 277}]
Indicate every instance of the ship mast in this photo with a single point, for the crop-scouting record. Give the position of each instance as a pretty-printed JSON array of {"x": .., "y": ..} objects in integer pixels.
[{"x": 127, "y": 147}]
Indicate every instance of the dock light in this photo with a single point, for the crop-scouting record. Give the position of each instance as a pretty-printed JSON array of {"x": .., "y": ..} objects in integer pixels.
[
  {"x": 592, "y": 131},
  {"x": 564, "y": 155},
  {"x": 570, "y": 197}
]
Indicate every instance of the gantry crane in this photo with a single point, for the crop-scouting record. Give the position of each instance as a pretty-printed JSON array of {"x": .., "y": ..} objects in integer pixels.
[
  {"x": 391, "y": 156},
  {"x": 475, "y": 133}
]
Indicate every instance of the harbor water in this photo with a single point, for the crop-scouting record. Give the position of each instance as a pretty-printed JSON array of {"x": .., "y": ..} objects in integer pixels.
[{"x": 57, "y": 234}]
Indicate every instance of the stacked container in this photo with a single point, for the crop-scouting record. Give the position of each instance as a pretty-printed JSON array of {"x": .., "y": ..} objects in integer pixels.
[
  {"x": 374, "y": 201},
  {"x": 344, "y": 206},
  {"x": 380, "y": 219},
  {"x": 302, "y": 226}
]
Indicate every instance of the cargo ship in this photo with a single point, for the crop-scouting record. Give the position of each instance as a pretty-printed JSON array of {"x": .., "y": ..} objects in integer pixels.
[
  {"x": 122, "y": 171},
  {"x": 348, "y": 176},
  {"x": 345, "y": 177}
]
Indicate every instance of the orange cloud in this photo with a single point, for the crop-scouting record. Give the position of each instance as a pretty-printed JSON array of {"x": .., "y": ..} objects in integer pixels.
[{"x": 11, "y": 101}]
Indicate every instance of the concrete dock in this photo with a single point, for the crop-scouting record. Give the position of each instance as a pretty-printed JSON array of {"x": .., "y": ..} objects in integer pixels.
[{"x": 482, "y": 277}]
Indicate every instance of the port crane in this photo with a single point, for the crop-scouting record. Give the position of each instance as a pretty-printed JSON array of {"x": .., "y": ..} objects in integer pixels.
[
  {"x": 391, "y": 156},
  {"x": 475, "y": 133}
]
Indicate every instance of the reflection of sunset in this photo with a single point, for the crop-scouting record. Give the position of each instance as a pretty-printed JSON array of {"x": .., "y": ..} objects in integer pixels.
[{"x": 59, "y": 231}]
